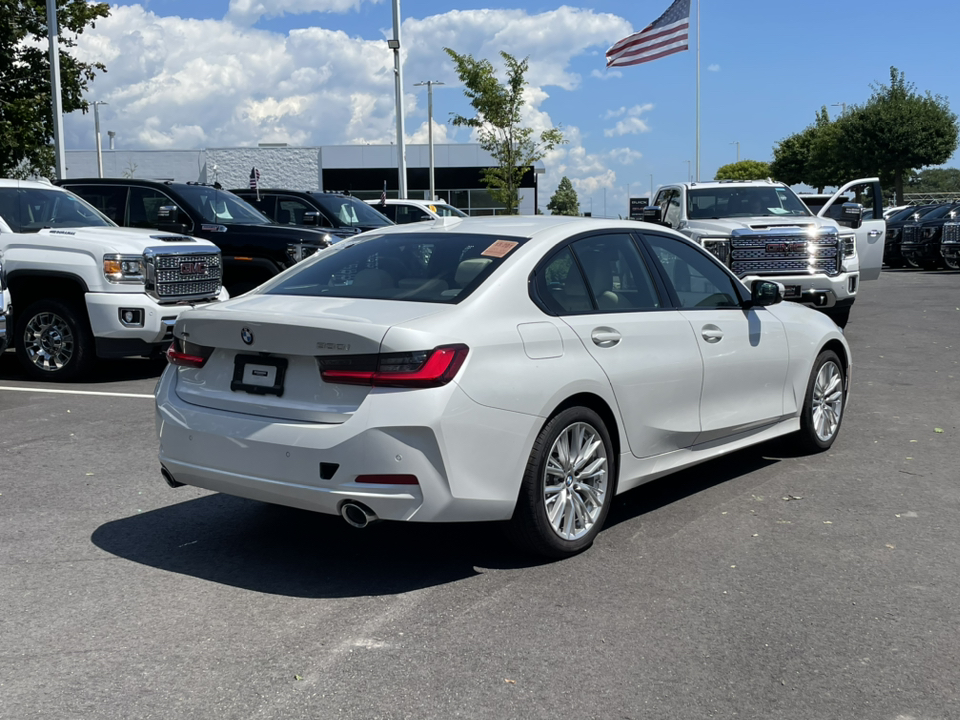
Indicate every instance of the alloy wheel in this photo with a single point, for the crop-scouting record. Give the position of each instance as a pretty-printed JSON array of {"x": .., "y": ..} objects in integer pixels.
[
  {"x": 48, "y": 341},
  {"x": 827, "y": 401},
  {"x": 575, "y": 481}
]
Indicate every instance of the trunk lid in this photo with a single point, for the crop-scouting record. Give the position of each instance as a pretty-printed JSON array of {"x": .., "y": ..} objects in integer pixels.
[{"x": 265, "y": 350}]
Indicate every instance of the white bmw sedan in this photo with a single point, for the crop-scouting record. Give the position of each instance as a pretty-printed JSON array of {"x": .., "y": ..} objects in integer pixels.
[{"x": 523, "y": 369}]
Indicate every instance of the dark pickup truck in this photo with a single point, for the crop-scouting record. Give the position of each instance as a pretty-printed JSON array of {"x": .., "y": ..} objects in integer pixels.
[
  {"x": 254, "y": 248},
  {"x": 921, "y": 239}
]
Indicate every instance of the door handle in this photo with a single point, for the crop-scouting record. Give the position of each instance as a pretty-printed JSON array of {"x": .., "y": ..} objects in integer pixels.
[
  {"x": 711, "y": 333},
  {"x": 874, "y": 233},
  {"x": 605, "y": 337}
]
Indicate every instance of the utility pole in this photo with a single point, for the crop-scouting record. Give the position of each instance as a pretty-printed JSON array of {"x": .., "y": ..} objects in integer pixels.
[
  {"x": 96, "y": 129},
  {"x": 56, "y": 99},
  {"x": 430, "y": 84},
  {"x": 737, "y": 143},
  {"x": 394, "y": 44},
  {"x": 842, "y": 106}
]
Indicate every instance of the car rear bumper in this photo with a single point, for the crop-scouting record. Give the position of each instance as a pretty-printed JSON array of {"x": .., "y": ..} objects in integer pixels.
[{"x": 468, "y": 459}]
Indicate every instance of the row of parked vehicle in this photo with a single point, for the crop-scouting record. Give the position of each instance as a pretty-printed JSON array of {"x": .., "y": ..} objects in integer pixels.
[
  {"x": 924, "y": 236},
  {"x": 103, "y": 267}
]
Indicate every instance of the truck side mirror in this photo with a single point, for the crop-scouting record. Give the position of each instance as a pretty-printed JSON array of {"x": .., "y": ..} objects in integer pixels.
[
  {"x": 851, "y": 215},
  {"x": 169, "y": 220},
  {"x": 765, "y": 292},
  {"x": 311, "y": 217},
  {"x": 653, "y": 214}
]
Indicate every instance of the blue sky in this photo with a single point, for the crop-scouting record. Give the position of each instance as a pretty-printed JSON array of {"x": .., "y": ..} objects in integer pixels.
[{"x": 218, "y": 73}]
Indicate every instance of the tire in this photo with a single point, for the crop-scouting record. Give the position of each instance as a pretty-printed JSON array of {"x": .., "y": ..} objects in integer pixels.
[
  {"x": 951, "y": 263},
  {"x": 54, "y": 341},
  {"x": 822, "y": 404},
  {"x": 912, "y": 263},
  {"x": 563, "y": 503},
  {"x": 841, "y": 316}
]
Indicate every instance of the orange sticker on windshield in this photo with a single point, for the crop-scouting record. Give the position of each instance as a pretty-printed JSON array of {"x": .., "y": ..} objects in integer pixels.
[{"x": 499, "y": 249}]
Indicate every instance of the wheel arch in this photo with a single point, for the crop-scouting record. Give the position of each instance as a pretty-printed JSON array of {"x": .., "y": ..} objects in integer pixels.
[
  {"x": 841, "y": 351},
  {"x": 26, "y": 287}
]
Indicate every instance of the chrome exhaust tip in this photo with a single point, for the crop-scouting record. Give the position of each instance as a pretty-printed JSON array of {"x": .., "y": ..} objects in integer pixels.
[
  {"x": 357, "y": 515},
  {"x": 169, "y": 478}
]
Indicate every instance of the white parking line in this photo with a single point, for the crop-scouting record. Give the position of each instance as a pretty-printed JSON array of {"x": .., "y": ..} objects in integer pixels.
[{"x": 74, "y": 392}]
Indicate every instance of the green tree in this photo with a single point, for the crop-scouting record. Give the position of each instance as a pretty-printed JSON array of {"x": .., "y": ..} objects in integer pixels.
[
  {"x": 26, "y": 115},
  {"x": 498, "y": 123},
  {"x": 815, "y": 156},
  {"x": 935, "y": 180},
  {"x": 898, "y": 131},
  {"x": 564, "y": 200},
  {"x": 744, "y": 170}
]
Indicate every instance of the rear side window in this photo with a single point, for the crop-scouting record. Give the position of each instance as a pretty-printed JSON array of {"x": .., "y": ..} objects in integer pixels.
[{"x": 420, "y": 267}]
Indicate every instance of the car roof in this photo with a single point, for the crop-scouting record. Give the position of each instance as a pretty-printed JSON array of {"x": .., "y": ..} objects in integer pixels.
[
  {"x": 409, "y": 201},
  {"x": 38, "y": 184}
]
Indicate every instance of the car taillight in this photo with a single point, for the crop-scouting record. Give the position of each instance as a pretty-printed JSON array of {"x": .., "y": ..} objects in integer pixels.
[
  {"x": 417, "y": 369},
  {"x": 188, "y": 354}
]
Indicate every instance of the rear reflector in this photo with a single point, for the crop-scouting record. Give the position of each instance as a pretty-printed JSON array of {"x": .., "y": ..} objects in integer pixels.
[
  {"x": 388, "y": 479},
  {"x": 419, "y": 369},
  {"x": 188, "y": 354}
]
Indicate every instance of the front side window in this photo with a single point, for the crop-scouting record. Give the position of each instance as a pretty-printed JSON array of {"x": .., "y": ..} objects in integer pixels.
[
  {"x": 412, "y": 266},
  {"x": 40, "y": 208},
  {"x": 671, "y": 208},
  {"x": 410, "y": 214},
  {"x": 291, "y": 211},
  {"x": 698, "y": 281}
]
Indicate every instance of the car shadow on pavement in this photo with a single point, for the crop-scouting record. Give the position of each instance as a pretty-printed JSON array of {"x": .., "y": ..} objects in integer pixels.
[{"x": 285, "y": 551}]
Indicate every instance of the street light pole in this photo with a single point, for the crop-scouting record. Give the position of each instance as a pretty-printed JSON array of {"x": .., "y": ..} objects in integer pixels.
[
  {"x": 737, "y": 143},
  {"x": 430, "y": 84},
  {"x": 842, "y": 106},
  {"x": 96, "y": 129},
  {"x": 394, "y": 44},
  {"x": 689, "y": 171},
  {"x": 56, "y": 98}
]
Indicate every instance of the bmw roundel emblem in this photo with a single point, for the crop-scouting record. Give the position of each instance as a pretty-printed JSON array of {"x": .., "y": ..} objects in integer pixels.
[{"x": 246, "y": 335}]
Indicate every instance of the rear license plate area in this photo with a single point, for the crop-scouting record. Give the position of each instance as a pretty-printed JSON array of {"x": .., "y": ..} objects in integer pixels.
[
  {"x": 791, "y": 292},
  {"x": 258, "y": 375}
]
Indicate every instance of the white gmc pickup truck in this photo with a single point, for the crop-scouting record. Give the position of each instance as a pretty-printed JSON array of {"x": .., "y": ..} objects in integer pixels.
[
  {"x": 762, "y": 230},
  {"x": 81, "y": 287}
]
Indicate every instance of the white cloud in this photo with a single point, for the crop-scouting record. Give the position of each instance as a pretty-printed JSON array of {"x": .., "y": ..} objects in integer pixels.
[
  {"x": 632, "y": 124},
  {"x": 713, "y": 68},
  {"x": 624, "y": 156},
  {"x": 605, "y": 74},
  {"x": 188, "y": 83},
  {"x": 248, "y": 12}
]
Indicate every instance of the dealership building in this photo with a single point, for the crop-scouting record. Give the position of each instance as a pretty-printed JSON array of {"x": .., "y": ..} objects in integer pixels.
[{"x": 360, "y": 170}]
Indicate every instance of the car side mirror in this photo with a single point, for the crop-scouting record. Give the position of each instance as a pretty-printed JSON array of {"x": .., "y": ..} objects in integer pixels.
[
  {"x": 169, "y": 220},
  {"x": 851, "y": 215},
  {"x": 311, "y": 218},
  {"x": 765, "y": 292},
  {"x": 653, "y": 214}
]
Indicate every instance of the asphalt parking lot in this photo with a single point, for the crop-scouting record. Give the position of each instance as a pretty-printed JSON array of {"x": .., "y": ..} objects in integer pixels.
[{"x": 763, "y": 585}]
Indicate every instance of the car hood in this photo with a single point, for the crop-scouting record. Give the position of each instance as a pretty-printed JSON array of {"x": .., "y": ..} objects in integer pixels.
[
  {"x": 120, "y": 240},
  {"x": 723, "y": 227}
]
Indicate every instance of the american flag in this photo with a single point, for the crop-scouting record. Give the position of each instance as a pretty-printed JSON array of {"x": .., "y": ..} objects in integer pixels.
[
  {"x": 664, "y": 36},
  {"x": 254, "y": 179},
  {"x": 383, "y": 194}
]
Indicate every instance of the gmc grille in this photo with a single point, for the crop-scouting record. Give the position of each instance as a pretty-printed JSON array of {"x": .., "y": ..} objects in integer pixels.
[
  {"x": 785, "y": 254},
  {"x": 951, "y": 233},
  {"x": 173, "y": 276}
]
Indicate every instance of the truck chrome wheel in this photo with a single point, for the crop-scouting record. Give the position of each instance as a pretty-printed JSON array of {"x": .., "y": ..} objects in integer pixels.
[
  {"x": 48, "y": 341},
  {"x": 53, "y": 340},
  {"x": 575, "y": 481},
  {"x": 827, "y": 401}
]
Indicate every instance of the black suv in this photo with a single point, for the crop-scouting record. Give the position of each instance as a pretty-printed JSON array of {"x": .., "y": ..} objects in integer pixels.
[
  {"x": 892, "y": 257},
  {"x": 920, "y": 240},
  {"x": 344, "y": 213},
  {"x": 254, "y": 248}
]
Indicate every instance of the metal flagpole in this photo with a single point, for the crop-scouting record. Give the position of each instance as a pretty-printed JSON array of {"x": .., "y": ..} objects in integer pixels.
[{"x": 698, "y": 90}]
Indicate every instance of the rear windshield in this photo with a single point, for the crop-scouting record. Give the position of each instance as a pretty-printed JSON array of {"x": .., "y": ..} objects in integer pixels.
[
  {"x": 29, "y": 210},
  {"x": 421, "y": 267}
]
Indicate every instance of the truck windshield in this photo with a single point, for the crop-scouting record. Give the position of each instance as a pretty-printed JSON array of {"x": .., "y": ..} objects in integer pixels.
[
  {"x": 221, "y": 206},
  {"x": 743, "y": 201},
  {"x": 347, "y": 211},
  {"x": 29, "y": 210}
]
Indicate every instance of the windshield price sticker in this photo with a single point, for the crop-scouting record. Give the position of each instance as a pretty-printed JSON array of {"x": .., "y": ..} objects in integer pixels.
[{"x": 499, "y": 249}]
